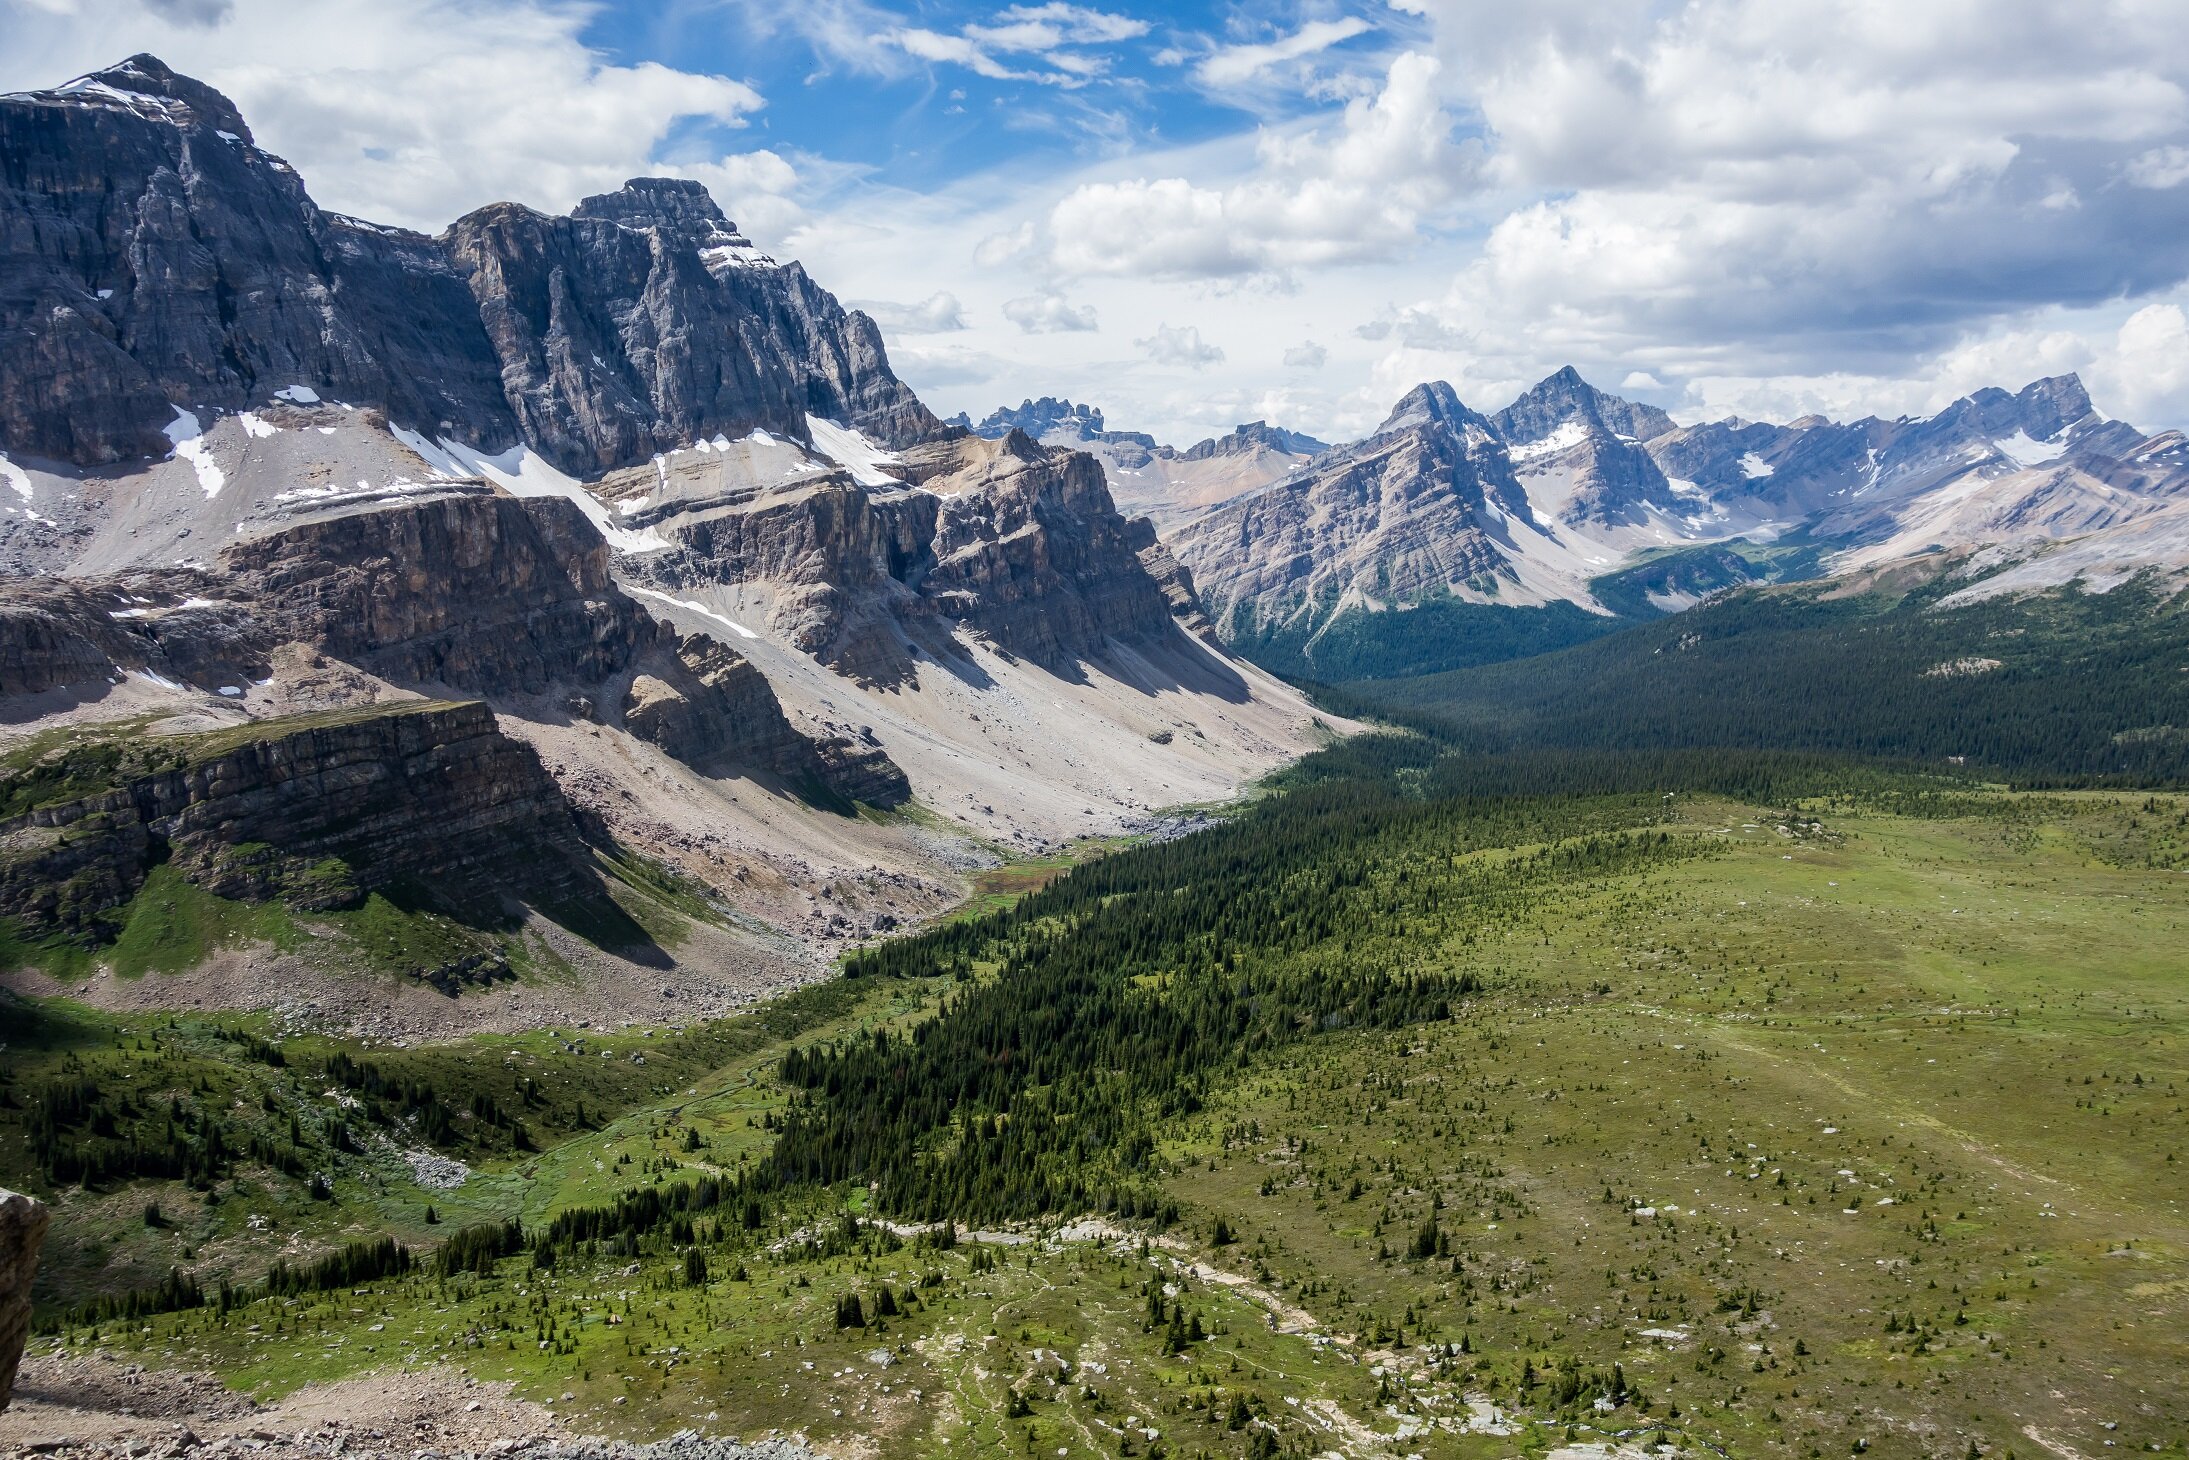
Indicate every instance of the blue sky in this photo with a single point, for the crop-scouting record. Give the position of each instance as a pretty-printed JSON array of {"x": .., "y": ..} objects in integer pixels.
[
  {"x": 1195, "y": 215},
  {"x": 918, "y": 96}
]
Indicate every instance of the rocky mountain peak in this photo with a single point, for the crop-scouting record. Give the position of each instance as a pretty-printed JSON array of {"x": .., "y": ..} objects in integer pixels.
[
  {"x": 184, "y": 100},
  {"x": 674, "y": 204},
  {"x": 1251, "y": 436},
  {"x": 1037, "y": 418},
  {"x": 1432, "y": 403},
  {"x": 1564, "y": 398},
  {"x": 2055, "y": 401},
  {"x": 639, "y": 323}
]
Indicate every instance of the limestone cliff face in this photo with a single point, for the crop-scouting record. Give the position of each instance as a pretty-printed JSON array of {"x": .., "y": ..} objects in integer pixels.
[
  {"x": 488, "y": 595},
  {"x": 153, "y": 257},
  {"x": 1030, "y": 551},
  {"x": 1014, "y": 541},
  {"x": 473, "y": 593},
  {"x": 432, "y": 797}
]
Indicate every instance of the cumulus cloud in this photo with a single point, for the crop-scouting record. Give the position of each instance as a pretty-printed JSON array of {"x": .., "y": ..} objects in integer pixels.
[
  {"x": 1315, "y": 197},
  {"x": 1306, "y": 355},
  {"x": 1048, "y": 313},
  {"x": 1180, "y": 346},
  {"x": 1231, "y": 65},
  {"x": 938, "y": 313},
  {"x": 1713, "y": 181},
  {"x": 416, "y": 111},
  {"x": 2145, "y": 374}
]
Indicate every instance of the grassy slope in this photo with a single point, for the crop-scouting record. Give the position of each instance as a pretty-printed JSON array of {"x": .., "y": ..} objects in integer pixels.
[{"x": 1937, "y": 993}]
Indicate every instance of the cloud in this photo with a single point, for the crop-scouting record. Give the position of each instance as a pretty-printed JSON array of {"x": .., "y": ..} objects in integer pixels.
[
  {"x": 1306, "y": 355},
  {"x": 416, "y": 111},
  {"x": 1710, "y": 182},
  {"x": 194, "y": 12},
  {"x": 1050, "y": 40},
  {"x": 1314, "y": 198},
  {"x": 2145, "y": 374},
  {"x": 1182, "y": 346},
  {"x": 1417, "y": 327},
  {"x": 1641, "y": 380},
  {"x": 2161, "y": 167},
  {"x": 1047, "y": 314},
  {"x": 1233, "y": 65},
  {"x": 939, "y": 313}
]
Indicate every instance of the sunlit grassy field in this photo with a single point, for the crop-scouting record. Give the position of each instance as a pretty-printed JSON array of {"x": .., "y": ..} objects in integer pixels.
[{"x": 1829, "y": 1131}]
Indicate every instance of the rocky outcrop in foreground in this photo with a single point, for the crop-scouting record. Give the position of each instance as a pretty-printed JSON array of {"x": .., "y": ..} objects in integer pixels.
[
  {"x": 427, "y": 799},
  {"x": 22, "y": 1230}
]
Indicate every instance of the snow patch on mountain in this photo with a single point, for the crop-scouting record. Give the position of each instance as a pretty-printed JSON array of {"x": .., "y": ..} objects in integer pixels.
[
  {"x": 853, "y": 452},
  {"x": 2025, "y": 452},
  {"x": 1572, "y": 433},
  {"x": 189, "y": 442},
  {"x": 524, "y": 473},
  {"x": 694, "y": 606},
  {"x": 16, "y": 478}
]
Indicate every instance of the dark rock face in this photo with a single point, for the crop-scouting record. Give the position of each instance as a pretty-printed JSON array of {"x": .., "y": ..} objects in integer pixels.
[
  {"x": 426, "y": 796},
  {"x": 1017, "y": 541},
  {"x": 641, "y": 322},
  {"x": 151, "y": 254},
  {"x": 708, "y": 706},
  {"x": 1030, "y": 551},
  {"x": 476, "y": 593},
  {"x": 22, "y": 1231},
  {"x": 488, "y": 595}
]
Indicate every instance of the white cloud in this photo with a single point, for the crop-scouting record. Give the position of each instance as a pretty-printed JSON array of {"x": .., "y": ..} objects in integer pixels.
[
  {"x": 1180, "y": 346},
  {"x": 1641, "y": 380},
  {"x": 2161, "y": 167},
  {"x": 938, "y": 313},
  {"x": 1047, "y": 314},
  {"x": 1314, "y": 198},
  {"x": 1050, "y": 40},
  {"x": 1306, "y": 355},
  {"x": 1232, "y": 65},
  {"x": 2145, "y": 374},
  {"x": 1712, "y": 181},
  {"x": 415, "y": 111}
]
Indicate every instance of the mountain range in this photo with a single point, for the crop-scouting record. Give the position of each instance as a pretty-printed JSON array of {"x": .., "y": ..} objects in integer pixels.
[
  {"x": 1577, "y": 502},
  {"x": 751, "y": 614}
]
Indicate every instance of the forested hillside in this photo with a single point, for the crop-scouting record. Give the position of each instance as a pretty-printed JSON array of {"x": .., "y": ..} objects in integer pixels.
[{"x": 2061, "y": 688}]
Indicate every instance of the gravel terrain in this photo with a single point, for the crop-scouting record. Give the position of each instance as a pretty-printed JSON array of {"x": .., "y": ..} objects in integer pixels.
[{"x": 93, "y": 1407}]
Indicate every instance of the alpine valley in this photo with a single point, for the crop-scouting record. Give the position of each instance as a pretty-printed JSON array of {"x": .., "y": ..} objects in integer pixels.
[{"x": 582, "y": 874}]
